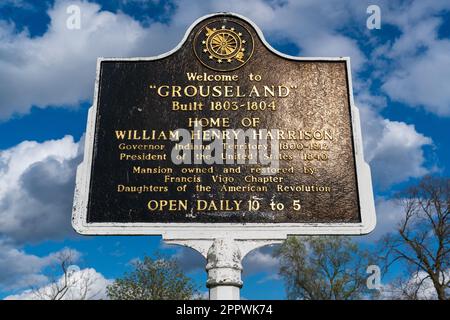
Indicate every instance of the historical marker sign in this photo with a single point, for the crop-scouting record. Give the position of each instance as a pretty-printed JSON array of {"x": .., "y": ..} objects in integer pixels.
[{"x": 223, "y": 134}]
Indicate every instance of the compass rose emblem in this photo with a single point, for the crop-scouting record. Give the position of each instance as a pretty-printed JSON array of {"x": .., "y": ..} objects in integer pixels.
[{"x": 223, "y": 46}]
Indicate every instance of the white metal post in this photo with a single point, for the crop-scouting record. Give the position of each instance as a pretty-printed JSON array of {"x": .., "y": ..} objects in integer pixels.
[{"x": 224, "y": 269}]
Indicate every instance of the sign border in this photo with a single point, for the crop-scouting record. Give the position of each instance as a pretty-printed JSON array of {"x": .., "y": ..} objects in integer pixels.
[{"x": 242, "y": 231}]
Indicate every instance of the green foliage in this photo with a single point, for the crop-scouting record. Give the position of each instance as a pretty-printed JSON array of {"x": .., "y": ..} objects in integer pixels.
[
  {"x": 324, "y": 268},
  {"x": 158, "y": 279}
]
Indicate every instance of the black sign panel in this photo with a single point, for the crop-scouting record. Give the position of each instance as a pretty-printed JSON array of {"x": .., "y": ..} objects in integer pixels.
[{"x": 270, "y": 137}]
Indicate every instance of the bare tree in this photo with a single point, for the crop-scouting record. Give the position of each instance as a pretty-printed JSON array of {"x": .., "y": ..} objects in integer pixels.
[
  {"x": 324, "y": 268},
  {"x": 421, "y": 241},
  {"x": 67, "y": 282}
]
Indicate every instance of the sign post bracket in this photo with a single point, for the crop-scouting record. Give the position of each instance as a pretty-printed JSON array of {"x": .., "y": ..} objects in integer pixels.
[{"x": 224, "y": 262}]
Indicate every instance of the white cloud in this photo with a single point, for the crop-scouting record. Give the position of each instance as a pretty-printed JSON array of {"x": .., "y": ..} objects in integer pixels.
[
  {"x": 14, "y": 3},
  {"x": 424, "y": 80},
  {"x": 21, "y": 270},
  {"x": 394, "y": 149},
  {"x": 18, "y": 269},
  {"x": 389, "y": 214},
  {"x": 408, "y": 13},
  {"x": 58, "y": 68},
  {"x": 36, "y": 189},
  {"x": 261, "y": 260},
  {"x": 85, "y": 284},
  {"x": 419, "y": 285},
  {"x": 189, "y": 259},
  {"x": 419, "y": 59}
]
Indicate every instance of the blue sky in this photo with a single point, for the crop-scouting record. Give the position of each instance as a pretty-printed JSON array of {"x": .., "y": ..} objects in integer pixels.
[{"x": 401, "y": 85}]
